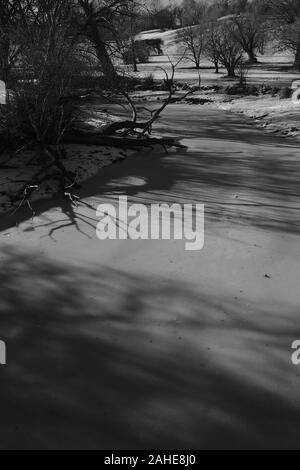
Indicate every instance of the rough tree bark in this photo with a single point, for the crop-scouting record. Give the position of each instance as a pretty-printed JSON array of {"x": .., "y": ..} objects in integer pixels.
[
  {"x": 91, "y": 29},
  {"x": 252, "y": 59},
  {"x": 101, "y": 51}
]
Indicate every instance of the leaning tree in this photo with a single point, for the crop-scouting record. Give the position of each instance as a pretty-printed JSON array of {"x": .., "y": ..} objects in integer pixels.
[{"x": 96, "y": 20}]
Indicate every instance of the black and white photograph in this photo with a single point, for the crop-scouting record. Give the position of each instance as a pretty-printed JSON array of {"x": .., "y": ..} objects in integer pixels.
[{"x": 149, "y": 227}]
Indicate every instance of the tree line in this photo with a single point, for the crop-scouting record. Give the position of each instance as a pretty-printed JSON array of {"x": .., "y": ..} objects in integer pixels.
[
  {"x": 245, "y": 26},
  {"x": 225, "y": 29}
]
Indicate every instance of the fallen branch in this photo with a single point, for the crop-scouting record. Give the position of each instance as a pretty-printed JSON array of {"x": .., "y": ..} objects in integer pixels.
[
  {"x": 116, "y": 126},
  {"x": 119, "y": 142},
  {"x": 133, "y": 126}
]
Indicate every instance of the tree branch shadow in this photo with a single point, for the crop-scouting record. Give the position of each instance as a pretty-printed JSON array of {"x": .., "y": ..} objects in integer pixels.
[{"x": 101, "y": 359}]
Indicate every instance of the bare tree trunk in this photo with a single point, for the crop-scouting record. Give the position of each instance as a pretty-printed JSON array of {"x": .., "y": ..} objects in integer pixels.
[
  {"x": 297, "y": 58},
  {"x": 231, "y": 71},
  {"x": 4, "y": 61},
  {"x": 104, "y": 58},
  {"x": 94, "y": 36},
  {"x": 134, "y": 61},
  {"x": 251, "y": 57}
]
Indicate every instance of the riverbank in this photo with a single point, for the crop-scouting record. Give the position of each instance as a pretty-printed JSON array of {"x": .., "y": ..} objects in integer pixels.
[{"x": 140, "y": 344}]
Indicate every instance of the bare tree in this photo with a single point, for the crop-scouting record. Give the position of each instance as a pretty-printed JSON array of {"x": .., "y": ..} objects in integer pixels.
[
  {"x": 192, "y": 12},
  {"x": 38, "y": 115},
  {"x": 193, "y": 38},
  {"x": 250, "y": 33},
  {"x": 96, "y": 20},
  {"x": 223, "y": 46},
  {"x": 132, "y": 31},
  {"x": 290, "y": 39},
  {"x": 287, "y": 21},
  {"x": 10, "y": 40},
  {"x": 126, "y": 29},
  {"x": 135, "y": 132},
  {"x": 212, "y": 41}
]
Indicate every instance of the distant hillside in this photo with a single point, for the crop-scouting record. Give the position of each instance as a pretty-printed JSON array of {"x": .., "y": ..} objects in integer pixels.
[{"x": 172, "y": 44}]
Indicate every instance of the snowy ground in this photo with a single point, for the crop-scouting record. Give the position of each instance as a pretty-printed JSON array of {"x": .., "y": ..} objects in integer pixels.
[
  {"x": 274, "y": 66},
  {"x": 140, "y": 344},
  {"x": 274, "y": 69},
  {"x": 279, "y": 116},
  {"x": 275, "y": 115}
]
